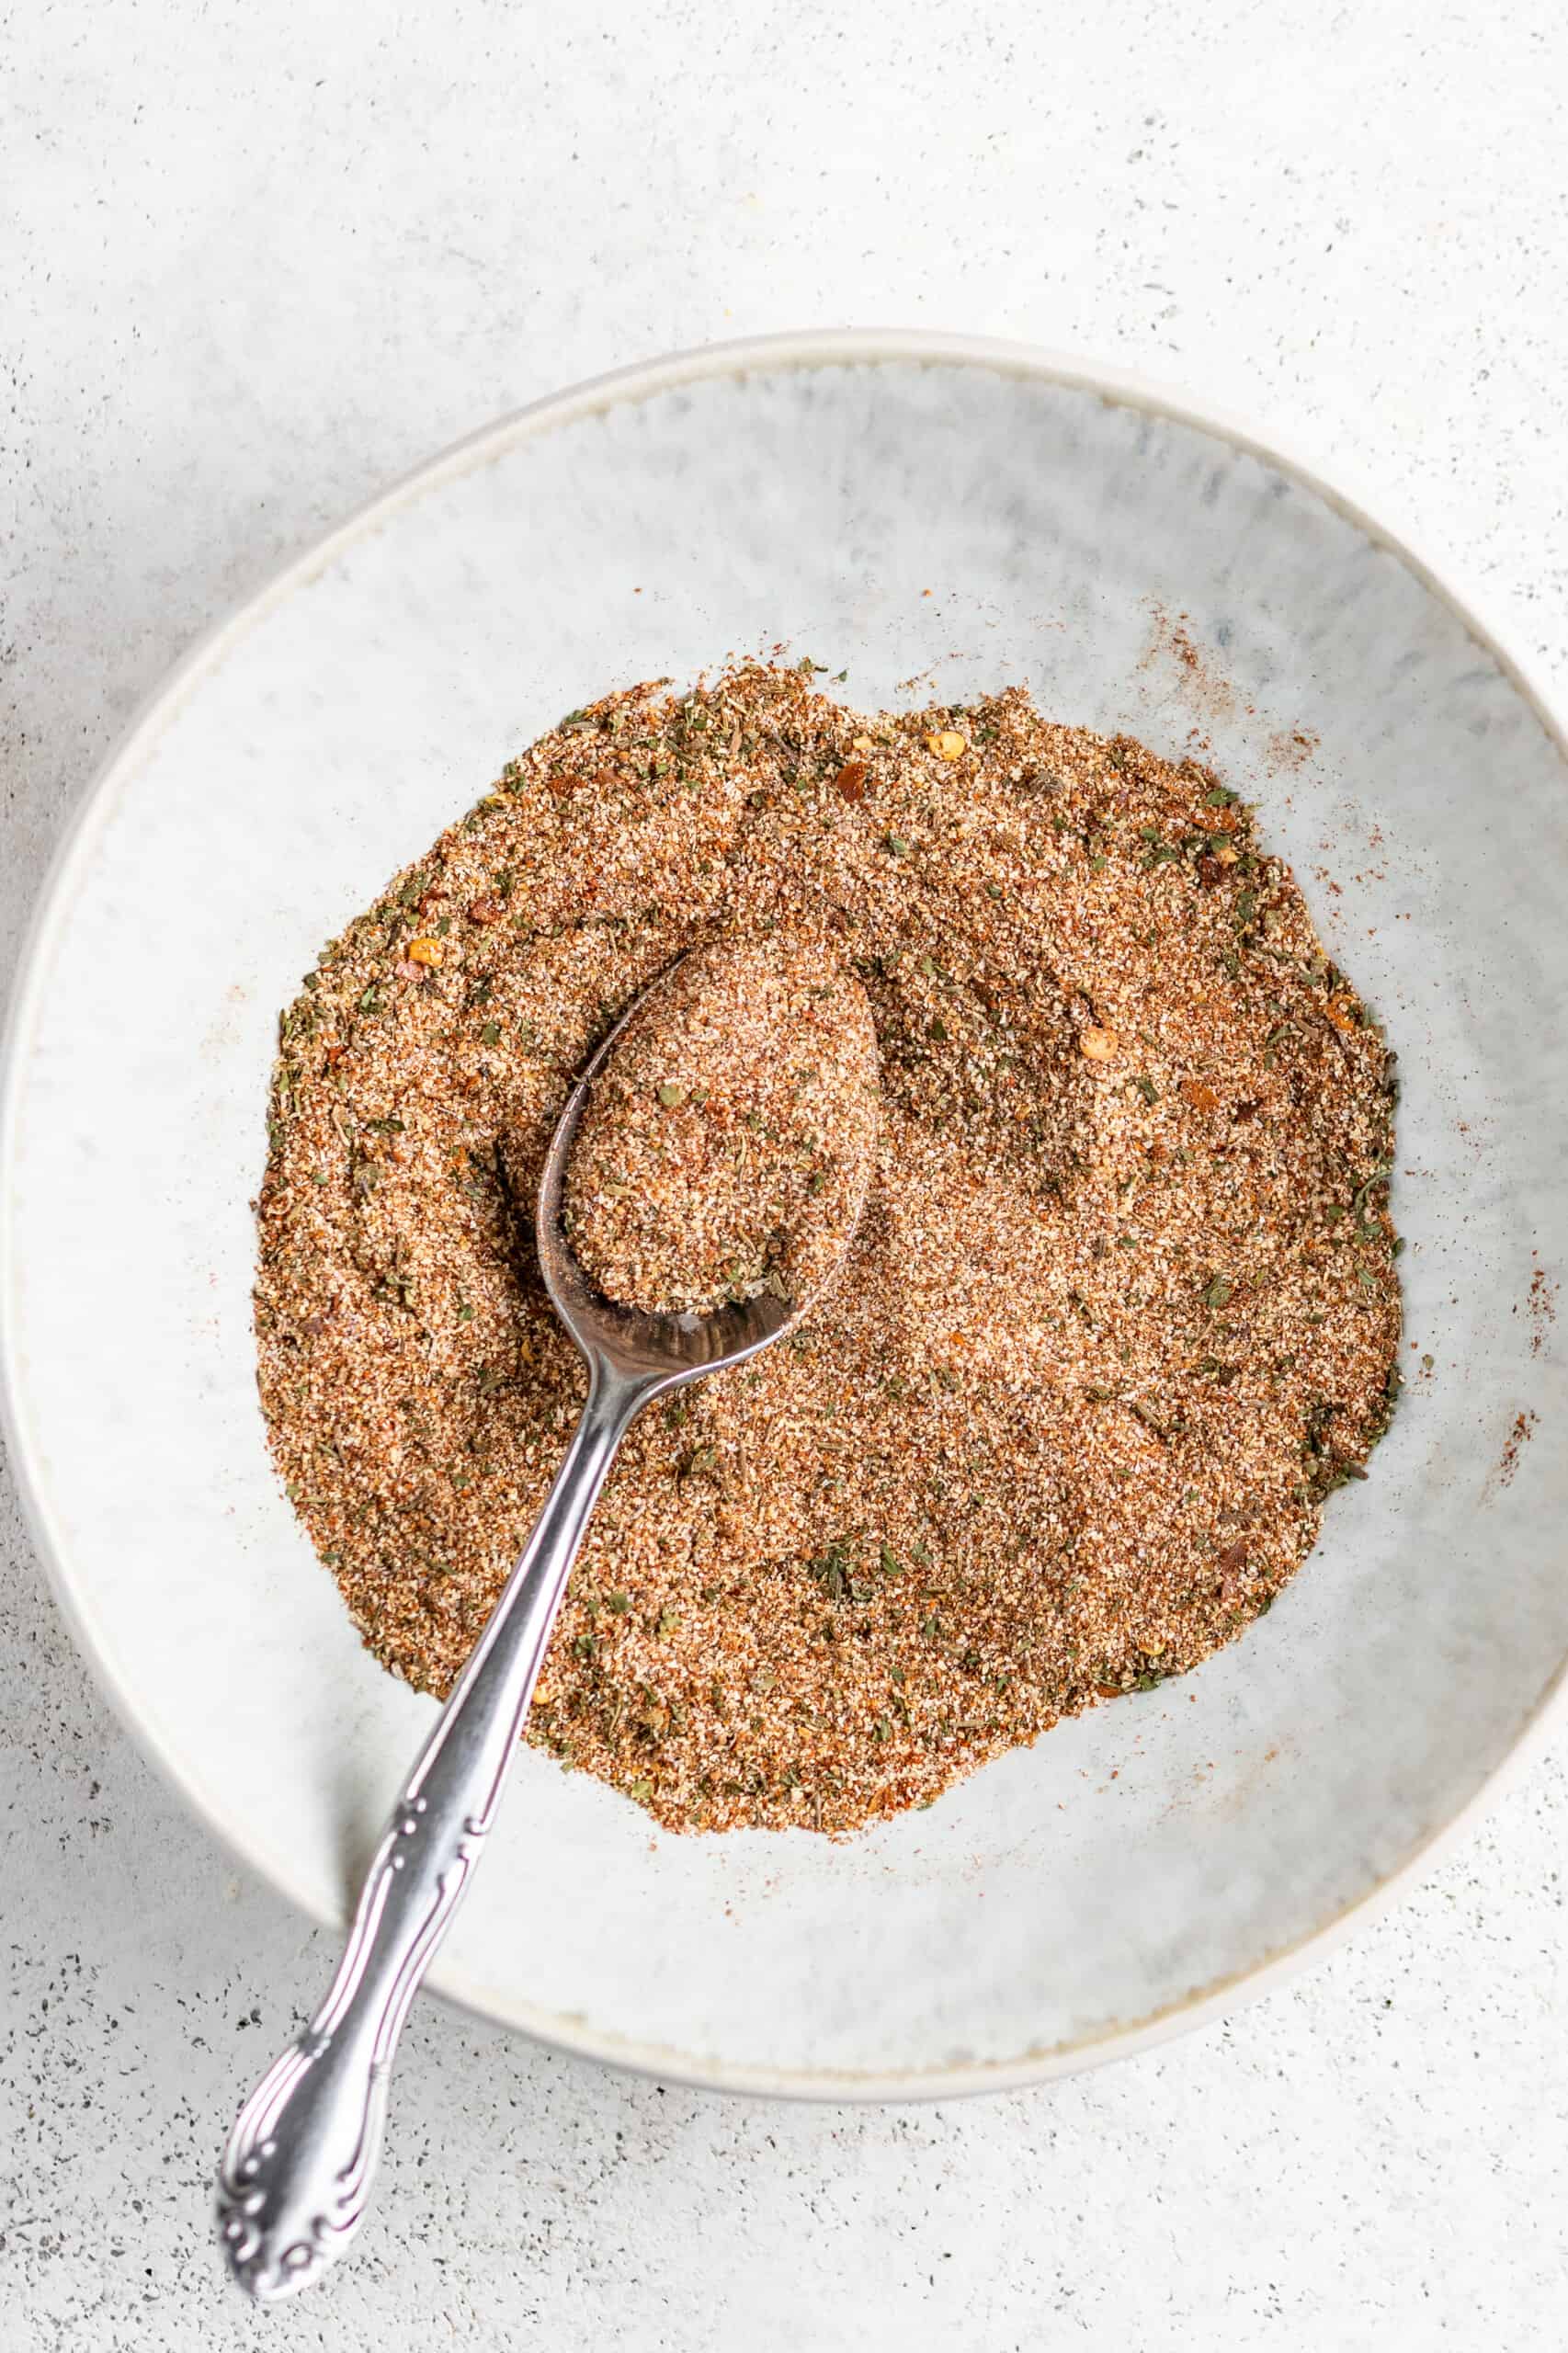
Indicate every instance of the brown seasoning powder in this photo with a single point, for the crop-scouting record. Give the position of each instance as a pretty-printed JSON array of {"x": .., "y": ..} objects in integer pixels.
[
  {"x": 1120, "y": 1313},
  {"x": 727, "y": 1145}
]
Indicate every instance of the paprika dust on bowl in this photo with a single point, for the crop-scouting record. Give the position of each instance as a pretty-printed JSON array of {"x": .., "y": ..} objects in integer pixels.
[
  {"x": 1120, "y": 1310},
  {"x": 1066, "y": 805}
]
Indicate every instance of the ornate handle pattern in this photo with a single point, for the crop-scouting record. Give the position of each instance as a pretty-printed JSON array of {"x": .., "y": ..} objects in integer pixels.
[{"x": 296, "y": 2174}]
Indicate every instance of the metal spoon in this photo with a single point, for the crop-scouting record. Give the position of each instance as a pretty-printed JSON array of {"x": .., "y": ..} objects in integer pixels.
[{"x": 296, "y": 2173}]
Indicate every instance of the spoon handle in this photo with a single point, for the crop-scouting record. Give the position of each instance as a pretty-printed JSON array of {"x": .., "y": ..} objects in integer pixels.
[{"x": 296, "y": 2173}]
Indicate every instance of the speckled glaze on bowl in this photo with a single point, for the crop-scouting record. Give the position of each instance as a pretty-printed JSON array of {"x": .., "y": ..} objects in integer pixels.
[{"x": 923, "y": 509}]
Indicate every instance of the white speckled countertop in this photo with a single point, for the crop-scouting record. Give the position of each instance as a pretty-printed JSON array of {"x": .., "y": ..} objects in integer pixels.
[{"x": 256, "y": 262}]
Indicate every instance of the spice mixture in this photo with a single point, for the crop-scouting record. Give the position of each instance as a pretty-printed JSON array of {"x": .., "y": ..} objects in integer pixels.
[
  {"x": 1120, "y": 1312},
  {"x": 727, "y": 1145}
]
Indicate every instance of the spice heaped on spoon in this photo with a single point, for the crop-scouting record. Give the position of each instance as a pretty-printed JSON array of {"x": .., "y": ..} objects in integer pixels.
[{"x": 728, "y": 1142}]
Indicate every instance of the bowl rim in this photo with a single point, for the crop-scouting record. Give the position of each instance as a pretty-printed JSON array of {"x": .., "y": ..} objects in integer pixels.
[{"x": 768, "y": 354}]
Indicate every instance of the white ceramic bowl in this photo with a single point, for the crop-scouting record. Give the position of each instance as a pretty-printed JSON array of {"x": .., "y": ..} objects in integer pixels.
[{"x": 904, "y": 504}]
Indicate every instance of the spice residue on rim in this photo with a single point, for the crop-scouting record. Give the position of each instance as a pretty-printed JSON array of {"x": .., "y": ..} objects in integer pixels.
[
  {"x": 727, "y": 1144},
  {"x": 1522, "y": 1430},
  {"x": 1542, "y": 1303},
  {"x": 1120, "y": 1313}
]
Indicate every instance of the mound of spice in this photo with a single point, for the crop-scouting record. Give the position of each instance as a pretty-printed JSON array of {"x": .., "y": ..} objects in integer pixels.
[
  {"x": 1120, "y": 1313},
  {"x": 727, "y": 1144}
]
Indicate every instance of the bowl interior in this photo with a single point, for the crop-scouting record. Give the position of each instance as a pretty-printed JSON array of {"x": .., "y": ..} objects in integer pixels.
[{"x": 940, "y": 524}]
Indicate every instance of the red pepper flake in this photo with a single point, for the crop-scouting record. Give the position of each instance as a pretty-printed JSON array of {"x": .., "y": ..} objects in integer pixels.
[
  {"x": 485, "y": 910},
  {"x": 1229, "y": 1565},
  {"x": 850, "y": 781}
]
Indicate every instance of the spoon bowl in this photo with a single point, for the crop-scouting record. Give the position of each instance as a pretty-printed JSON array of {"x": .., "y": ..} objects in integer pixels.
[{"x": 627, "y": 1345}]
